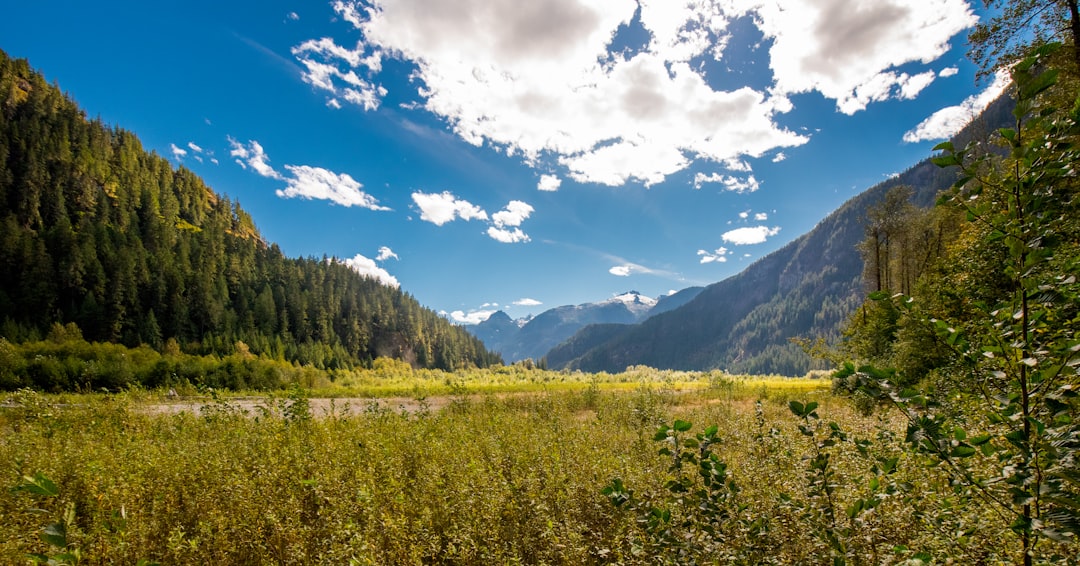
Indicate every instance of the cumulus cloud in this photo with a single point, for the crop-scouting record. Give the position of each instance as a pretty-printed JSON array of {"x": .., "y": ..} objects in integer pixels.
[
  {"x": 541, "y": 80},
  {"x": 527, "y": 302},
  {"x": 718, "y": 255},
  {"x": 507, "y": 235},
  {"x": 780, "y": 156},
  {"x": 948, "y": 121},
  {"x": 948, "y": 72},
  {"x": 514, "y": 214},
  {"x": 850, "y": 50},
  {"x": 761, "y": 216},
  {"x": 749, "y": 235},
  {"x": 367, "y": 267},
  {"x": 178, "y": 152},
  {"x": 386, "y": 253},
  {"x": 471, "y": 317},
  {"x": 549, "y": 183},
  {"x": 444, "y": 207},
  {"x": 440, "y": 208}
]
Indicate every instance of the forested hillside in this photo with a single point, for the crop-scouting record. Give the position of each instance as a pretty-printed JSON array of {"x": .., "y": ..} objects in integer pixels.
[
  {"x": 97, "y": 231},
  {"x": 806, "y": 290}
]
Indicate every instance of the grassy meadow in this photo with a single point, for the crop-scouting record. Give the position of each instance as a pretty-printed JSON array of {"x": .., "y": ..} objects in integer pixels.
[{"x": 510, "y": 469}]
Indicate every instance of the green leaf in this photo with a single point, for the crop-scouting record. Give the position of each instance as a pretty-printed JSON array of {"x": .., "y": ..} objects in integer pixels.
[
  {"x": 947, "y": 160},
  {"x": 682, "y": 426},
  {"x": 963, "y": 451},
  {"x": 878, "y": 296},
  {"x": 38, "y": 485},
  {"x": 796, "y": 408},
  {"x": 56, "y": 535},
  {"x": 1039, "y": 84}
]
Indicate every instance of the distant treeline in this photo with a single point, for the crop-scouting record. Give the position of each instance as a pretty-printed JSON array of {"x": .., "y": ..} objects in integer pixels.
[{"x": 96, "y": 231}]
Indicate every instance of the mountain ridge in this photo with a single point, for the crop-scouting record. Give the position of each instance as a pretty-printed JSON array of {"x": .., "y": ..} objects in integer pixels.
[{"x": 746, "y": 323}]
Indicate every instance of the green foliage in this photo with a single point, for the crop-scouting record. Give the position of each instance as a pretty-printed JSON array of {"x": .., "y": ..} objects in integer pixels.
[
  {"x": 1011, "y": 336},
  {"x": 97, "y": 232}
]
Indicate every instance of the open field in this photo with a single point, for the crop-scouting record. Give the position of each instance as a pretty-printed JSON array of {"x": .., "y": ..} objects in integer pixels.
[{"x": 466, "y": 477}]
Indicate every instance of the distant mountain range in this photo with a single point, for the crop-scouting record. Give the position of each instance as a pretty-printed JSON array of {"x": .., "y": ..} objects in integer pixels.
[
  {"x": 534, "y": 337},
  {"x": 746, "y": 323}
]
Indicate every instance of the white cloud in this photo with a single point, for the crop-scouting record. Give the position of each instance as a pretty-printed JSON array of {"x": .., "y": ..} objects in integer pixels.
[
  {"x": 507, "y": 220},
  {"x": 849, "y": 50},
  {"x": 386, "y": 253},
  {"x": 318, "y": 183},
  {"x": 472, "y": 317},
  {"x": 305, "y": 181},
  {"x": 780, "y": 156},
  {"x": 527, "y": 302},
  {"x": 440, "y": 208},
  {"x": 540, "y": 80},
  {"x": 761, "y": 216},
  {"x": 948, "y": 121},
  {"x": 746, "y": 184},
  {"x": 549, "y": 183},
  {"x": 719, "y": 255},
  {"x": 744, "y": 214},
  {"x": 749, "y": 235},
  {"x": 366, "y": 266},
  {"x": 293, "y": 16},
  {"x": 194, "y": 147},
  {"x": 507, "y": 236},
  {"x": 514, "y": 214},
  {"x": 253, "y": 155},
  {"x": 948, "y": 72},
  {"x": 626, "y": 269},
  {"x": 177, "y": 152},
  {"x": 323, "y": 62}
]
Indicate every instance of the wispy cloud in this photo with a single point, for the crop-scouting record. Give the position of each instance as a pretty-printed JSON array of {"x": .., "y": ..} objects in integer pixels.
[
  {"x": 304, "y": 181},
  {"x": 719, "y": 255},
  {"x": 178, "y": 152},
  {"x": 386, "y": 253}
]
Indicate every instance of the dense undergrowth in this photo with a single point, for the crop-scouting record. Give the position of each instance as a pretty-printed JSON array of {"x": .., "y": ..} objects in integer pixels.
[{"x": 485, "y": 480}]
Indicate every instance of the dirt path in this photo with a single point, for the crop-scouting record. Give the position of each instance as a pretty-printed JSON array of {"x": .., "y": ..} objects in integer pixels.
[{"x": 321, "y": 407}]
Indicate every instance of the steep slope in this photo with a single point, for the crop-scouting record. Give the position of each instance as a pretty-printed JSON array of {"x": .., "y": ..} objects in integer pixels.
[
  {"x": 745, "y": 323},
  {"x": 96, "y": 231}
]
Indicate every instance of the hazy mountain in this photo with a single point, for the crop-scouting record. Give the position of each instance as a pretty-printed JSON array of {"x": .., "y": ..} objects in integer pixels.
[
  {"x": 518, "y": 340},
  {"x": 745, "y": 323}
]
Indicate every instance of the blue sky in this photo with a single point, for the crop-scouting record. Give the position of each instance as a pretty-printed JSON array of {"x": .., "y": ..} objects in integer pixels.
[{"x": 498, "y": 154}]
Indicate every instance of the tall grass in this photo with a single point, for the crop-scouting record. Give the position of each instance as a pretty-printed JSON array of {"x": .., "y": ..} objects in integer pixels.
[{"x": 485, "y": 480}]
